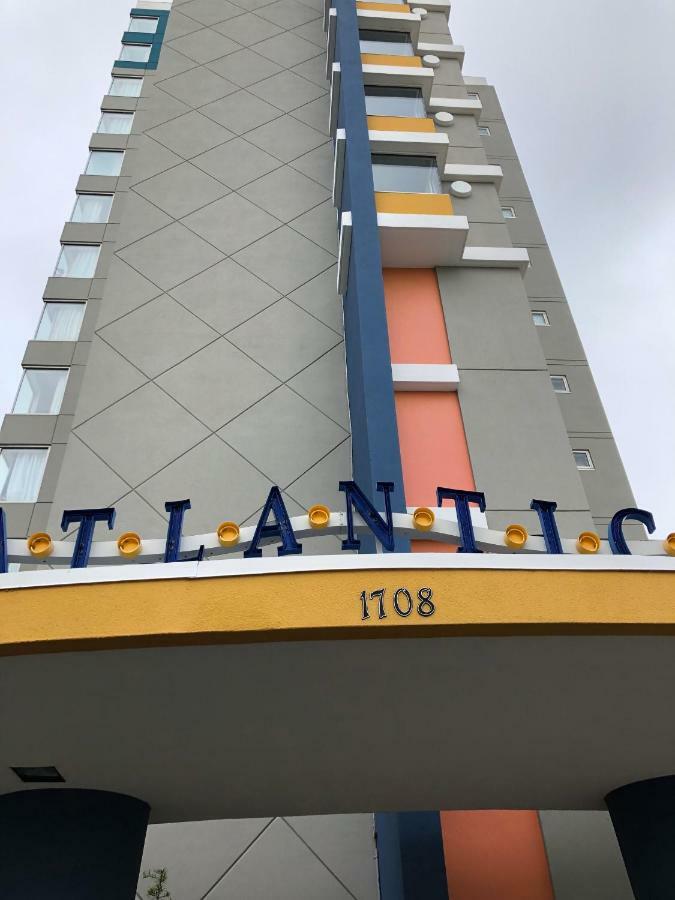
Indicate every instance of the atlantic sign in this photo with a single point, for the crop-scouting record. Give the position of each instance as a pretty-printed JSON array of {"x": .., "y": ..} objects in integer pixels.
[{"x": 276, "y": 526}]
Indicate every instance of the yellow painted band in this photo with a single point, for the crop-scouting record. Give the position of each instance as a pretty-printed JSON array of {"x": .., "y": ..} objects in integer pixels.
[
  {"x": 326, "y": 605},
  {"x": 400, "y": 123},
  {"x": 385, "y": 59},
  {"x": 413, "y": 204},
  {"x": 384, "y": 7}
]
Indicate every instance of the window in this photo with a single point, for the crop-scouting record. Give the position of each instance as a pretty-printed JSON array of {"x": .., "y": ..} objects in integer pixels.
[
  {"x": 21, "y": 471},
  {"x": 583, "y": 459},
  {"x": 77, "y": 260},
  {"x": 135, "y": 52},
  {"x": 125, "y": 87},
  {"x": 394, "y": 101},
  {"x": 60, "y": 322},
  {"x": 115, "y": 123},
  {"x": 473, "y": 94},
  {"x": 92, "y": 208},
  {"x": 41, "y": 392},
  {"x": 540, "y": 318},
  {"x": 560, "y": 384},
  {"x": 104, "y": 162},
  {"x": 143, "y": 24},
  {"x": 408, "y": 174},
  {"x": 484, "y": 130},
  {"x": 395, "y": 43},
  {"x": 508, "y": 212}
]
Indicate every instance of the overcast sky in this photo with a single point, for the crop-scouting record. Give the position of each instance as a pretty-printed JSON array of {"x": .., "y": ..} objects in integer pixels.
[{"x": 588, "y": 89}]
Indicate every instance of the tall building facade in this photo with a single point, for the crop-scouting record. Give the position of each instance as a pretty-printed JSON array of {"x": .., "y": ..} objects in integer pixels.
[{"x": 303, "y": 251}]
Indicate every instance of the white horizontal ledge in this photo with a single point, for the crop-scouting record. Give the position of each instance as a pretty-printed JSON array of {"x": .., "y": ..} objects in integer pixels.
[
  {"x": 410, "y": 240},
  {"x": 425, "y": 376},
  {"x": 496, "y": 257},
  {"x": 444, "y": 51},
  {"x": 473, "y": 173},
  {"x": 458, "y": 106},
  {"x": 436, "y": 5}
]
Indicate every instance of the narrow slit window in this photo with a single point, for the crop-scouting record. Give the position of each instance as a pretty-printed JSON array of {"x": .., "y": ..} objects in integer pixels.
[
  {"x": 484, "y": 130},
  {"x": 508, "y": 212},
  {"x": 540, "y": 318}
]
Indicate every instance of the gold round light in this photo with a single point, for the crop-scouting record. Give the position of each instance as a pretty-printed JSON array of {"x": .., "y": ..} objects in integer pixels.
[
  {"x": 228, "y": 534},
  {"x": 515, "y": 536},
  {"x": 318, "y": 515},
  {"x": 669, "y": 544},
  {"x": 129, "y": 544},
  {"x": 423, "y": 518},
  {"x": 588, "y": 542},
  {"x": 40, "y": 544}
]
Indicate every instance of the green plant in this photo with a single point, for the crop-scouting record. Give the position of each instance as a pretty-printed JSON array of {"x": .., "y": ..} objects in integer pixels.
[{"x": 157, "y": 889}]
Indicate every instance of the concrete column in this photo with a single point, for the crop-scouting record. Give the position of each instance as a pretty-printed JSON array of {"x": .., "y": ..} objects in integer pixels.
[
  {"x": 62, "y": 844},
  {"x": 643, "y": 815}
]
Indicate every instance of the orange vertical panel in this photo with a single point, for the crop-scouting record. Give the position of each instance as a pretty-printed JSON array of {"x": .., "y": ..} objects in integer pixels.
[
  {"x": 492, "y": 854},
  {"x": 415, "y": 317}
]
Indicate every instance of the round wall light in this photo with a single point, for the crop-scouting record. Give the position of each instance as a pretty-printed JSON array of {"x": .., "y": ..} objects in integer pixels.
[
  {"x": 431, "y": 60},
  {"x": 588, "y": 542},
  {"x": 129, "y": 544},
  {"x": 460, "y": 188},
  {"x": 318, "y": 515},
  {"x": 227, "y": 534},
  {"x": 444, "y": 118},
  {"x": 515, "y": 536},
  {"x": 423, "y": 518},
  {"x": 40, "y": 544}
]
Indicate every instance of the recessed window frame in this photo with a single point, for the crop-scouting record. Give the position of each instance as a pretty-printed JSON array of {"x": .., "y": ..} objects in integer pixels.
[
  {"x": 129, "y": 79},
  {"x": 143, "y": 19},
  {"x": 484, "y": 131},
  {"x": 63, "y": 254},
  {"x": 48, "y": 306},
  {"x": 563, "y": 385},
  {"x": 546, "y": 323},
  {"x": 474, "y": 94},
  {"x": 56, "y": 402},
  {"x": 35, "y": 493},
  {"x": 80, "y": 199},
  {"x": 586, "y": 463},
  {"x": 126, "y": 54},
  {"x": 411, "y": 97},
  {"x": 403, "y": 162},
  {"x": 111, "y": 116},
  {"x": 508, "y": 212},
  {"x": 384, "y": 41},
  {"x": 94, "y": 154}
]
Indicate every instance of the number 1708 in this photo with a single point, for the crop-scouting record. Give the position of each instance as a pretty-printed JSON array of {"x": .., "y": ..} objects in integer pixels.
[{"x": 402, "y": 603}]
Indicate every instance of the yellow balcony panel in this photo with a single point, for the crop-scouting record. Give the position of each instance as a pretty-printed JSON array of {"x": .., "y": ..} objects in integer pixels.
[
  {"x": 413, "y": 204},
  {"x": 386, "y": 59},
  {"x": 384, "y": 7},
  {"x": 400, "y": 123}
]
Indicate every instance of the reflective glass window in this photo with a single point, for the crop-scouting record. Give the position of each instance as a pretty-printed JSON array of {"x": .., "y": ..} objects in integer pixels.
[
  {"x": 92, "y": 208},
  {"x": 21, "y": 471},
  {"x": 394, "y": 101},
  {"x": 135, "y": 52},
  {"x": 143, "y": 24},
  {"x": 77, "y": 260},
  {"x": 125, "y": 87},
  {"x": 408, "y": 174},
  {"x": 41, "y": 391},
  {"x": 395, "y": 43},
  {"x": 104, "y": 162},
  {"x": 60, "y": 322},
  {"x": 115, "y": 123}
]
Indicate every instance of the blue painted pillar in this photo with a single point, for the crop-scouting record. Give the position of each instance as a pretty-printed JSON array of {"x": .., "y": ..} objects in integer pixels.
[
  {"x": 375, "y": 448},
  {"x": 62, "y": 844},
  {"x": 643, "y": 815}
]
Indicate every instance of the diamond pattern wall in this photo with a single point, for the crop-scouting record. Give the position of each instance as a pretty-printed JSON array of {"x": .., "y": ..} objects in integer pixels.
[{"x": 217, "y": 368}]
